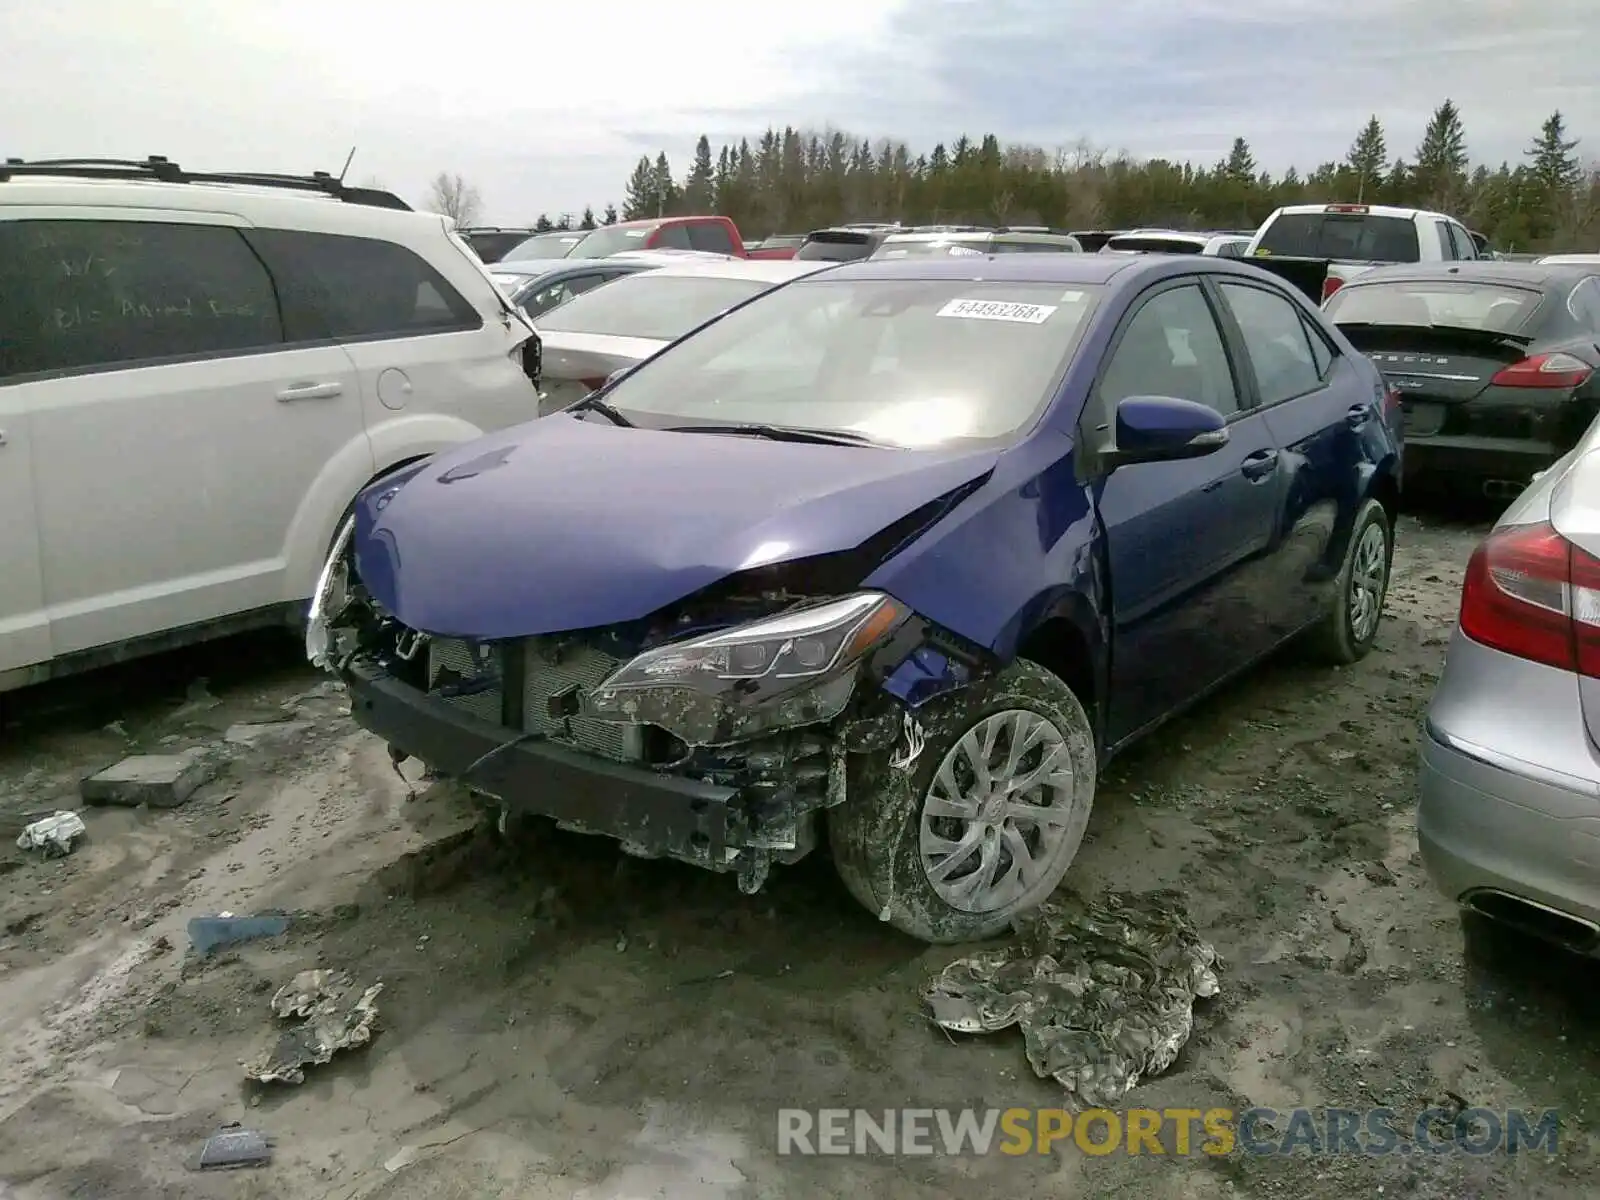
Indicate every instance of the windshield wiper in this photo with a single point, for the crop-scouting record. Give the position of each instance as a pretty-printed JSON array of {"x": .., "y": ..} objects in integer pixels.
[
  {"x": 593, "y": 403},
  {"x": 786, "y": 433}
]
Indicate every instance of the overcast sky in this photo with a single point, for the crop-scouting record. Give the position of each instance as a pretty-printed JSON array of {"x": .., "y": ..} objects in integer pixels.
[{"x": 546, "y": 106}]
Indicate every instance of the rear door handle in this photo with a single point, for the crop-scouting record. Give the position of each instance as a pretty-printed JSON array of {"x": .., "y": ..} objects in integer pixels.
[
  {"x": 1358, "y": 415},
  {"x": 311, "y": 391},
  {"x": 1259, "y": 465}
]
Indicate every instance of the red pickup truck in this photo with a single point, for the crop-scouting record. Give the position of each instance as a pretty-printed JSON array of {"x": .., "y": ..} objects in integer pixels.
[{"x": 716, "y": 235}]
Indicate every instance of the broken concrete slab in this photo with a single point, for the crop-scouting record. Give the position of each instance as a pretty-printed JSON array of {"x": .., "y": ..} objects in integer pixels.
[{"x": 159, "y": 780}]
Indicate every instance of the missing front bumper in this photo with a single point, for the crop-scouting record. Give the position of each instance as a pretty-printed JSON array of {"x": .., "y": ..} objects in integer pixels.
[{"x": 649, "y": 812}]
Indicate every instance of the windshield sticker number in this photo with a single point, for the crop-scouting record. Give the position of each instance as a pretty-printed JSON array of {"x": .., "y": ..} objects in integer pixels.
[{"x": 998, "y": 310}]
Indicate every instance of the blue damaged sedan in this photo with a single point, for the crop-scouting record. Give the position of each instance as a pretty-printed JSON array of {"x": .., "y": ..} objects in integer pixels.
[{"x": 891, "y": 559}]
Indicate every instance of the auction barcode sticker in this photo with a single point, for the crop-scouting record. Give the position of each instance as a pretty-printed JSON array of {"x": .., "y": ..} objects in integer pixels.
[{"x": 998, "y": 310}]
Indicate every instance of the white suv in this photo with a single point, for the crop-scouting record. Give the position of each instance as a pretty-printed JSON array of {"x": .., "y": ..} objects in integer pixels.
[{"x": 197, "y": 375}]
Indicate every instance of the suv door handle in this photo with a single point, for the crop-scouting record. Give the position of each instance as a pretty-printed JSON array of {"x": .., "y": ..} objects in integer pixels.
[
  {"x": 1259, "y": 465},
  {"x": 311, "y": 391},
  {"x": 1358, "y": 415}
]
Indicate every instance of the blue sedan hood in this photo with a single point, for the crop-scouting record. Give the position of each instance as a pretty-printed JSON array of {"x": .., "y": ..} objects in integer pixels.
[{"x": 569, "y": 523}]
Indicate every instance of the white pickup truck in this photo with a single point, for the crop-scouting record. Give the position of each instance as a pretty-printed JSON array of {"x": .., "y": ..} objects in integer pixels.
[{"x": 1353, "y": 238}]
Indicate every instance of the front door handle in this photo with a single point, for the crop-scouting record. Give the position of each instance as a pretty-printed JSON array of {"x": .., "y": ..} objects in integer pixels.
[
  {"x": 1259, "y": 465},
  {"x": 311, "y": 391},
  {"x": 1358, "y": 415}
]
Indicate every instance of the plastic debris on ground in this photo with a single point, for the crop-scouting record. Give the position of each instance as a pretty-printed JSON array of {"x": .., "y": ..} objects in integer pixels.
[
  {"x": 55, "y": 835},
  {"x": 332, "y": 1016},
  {"x": 212, "y": 933},
  {"x": 1102, "y": 990},
  {"x": 232, "y": 1147}
]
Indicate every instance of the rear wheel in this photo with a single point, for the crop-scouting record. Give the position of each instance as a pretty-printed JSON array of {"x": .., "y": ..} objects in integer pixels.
[
  {"x": 984, "y": 823},
  {"x": 1347, "y": 632}
]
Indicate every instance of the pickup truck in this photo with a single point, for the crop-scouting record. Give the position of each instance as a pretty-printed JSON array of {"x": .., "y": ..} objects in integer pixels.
[
  {"x": 1353, "y": 238},
  {"x": 717, "y": 235}
]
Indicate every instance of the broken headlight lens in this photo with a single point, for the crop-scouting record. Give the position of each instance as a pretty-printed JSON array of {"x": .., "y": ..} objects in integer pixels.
[{"x": 793, "y": 669}]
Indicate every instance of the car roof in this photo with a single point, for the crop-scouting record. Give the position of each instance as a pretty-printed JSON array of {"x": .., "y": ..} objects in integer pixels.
[
  {"x": 1534, "y": 274},
  {"x": 262, "y": 205},
  {"x": 1063, "y": 268},
  {"x": 531, "y": 266},
  {"x": 774, "y": 270}
]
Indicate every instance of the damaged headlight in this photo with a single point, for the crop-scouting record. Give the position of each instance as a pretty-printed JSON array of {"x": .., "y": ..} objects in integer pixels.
[{"x": 796, "y": 668}]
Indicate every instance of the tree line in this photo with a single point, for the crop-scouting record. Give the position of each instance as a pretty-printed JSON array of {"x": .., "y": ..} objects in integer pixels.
[{"x": 790, "y": 181}]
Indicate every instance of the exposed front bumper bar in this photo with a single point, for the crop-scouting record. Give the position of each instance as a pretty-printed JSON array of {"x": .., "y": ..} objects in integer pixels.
[{"x": 650, "y": 812}]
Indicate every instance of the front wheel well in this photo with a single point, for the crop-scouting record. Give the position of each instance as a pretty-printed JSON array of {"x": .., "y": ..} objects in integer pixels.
[
  {"x": 1059, "y": 647},
  {"x": 1386, "y": 491}
]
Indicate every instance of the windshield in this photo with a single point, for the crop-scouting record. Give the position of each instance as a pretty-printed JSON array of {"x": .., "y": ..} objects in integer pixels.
[
  {"x": 1358, "y": 236},
  {"x": 660, "y": 307},
  {"x": 544, "y": 245},
  {"x": 603, "y": 243},
  {"x": 1490, "y": 307},
  {"x": 903, "y": 362},
  {"x": 929, "y": 249}
]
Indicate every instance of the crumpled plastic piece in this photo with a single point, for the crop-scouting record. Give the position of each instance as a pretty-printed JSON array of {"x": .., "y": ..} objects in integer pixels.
[
  {"x": 56, "y": 834},
  {"x": 1103, "y": 990},
  {"x": 329, "y": 1022}
]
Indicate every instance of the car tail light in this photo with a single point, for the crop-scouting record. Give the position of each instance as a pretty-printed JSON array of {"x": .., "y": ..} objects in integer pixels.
[
  {"x": 1347, "y": 208},
  {"x": 1545, "y": 371},
  {"x": 1330, "y": 285},
  {"x": 1531, "y": 593}
]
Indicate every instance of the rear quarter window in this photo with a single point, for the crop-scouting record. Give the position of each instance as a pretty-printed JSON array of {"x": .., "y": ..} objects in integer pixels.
[{"x": 1359, "y": 236}]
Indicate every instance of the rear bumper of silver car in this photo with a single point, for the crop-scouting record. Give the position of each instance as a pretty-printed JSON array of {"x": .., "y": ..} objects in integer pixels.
[{"x": 1513, "y": 840}]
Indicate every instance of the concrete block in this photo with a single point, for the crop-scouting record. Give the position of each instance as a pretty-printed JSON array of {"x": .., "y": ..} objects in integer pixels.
[{"x": 159, "y": 780}]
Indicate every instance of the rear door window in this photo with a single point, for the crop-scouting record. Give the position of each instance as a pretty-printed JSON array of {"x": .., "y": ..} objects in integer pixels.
[
  {"x": 1275, "y": 338},
  {"x": 77, "y": 295},
  {"x": 353, "y": 288},
  {"x": 1448, "y": 246},
  {"x": 710, "y": 236},
  {"x": 1362, "y": 237}
]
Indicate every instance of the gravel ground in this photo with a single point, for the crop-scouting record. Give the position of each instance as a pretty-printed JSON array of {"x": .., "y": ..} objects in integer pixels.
[{"x": 558, "y": 1021}]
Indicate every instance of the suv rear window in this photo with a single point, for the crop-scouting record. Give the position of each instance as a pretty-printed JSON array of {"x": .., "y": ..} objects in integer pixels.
[
  {"x": 1359, "y": 236},
  {"x": 1491, "y": 308},
  {"x": 836, "y": 245}
]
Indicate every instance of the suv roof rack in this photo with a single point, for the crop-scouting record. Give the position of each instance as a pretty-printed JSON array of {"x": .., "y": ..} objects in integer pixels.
[{"x": 162, "y": 170}]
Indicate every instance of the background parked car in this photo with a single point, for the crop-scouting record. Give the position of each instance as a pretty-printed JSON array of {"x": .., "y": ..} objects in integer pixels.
[
  {"x": 933, "y": 244},
  {"x": 842, "y": 243},
  {"x": 1496, "y": 364},
  {"x": 1173, "y": 241},
  {"x": 605, "y": 330},
  {"x": 537, "y": 286},
  {"x": 710, "y": 234},
  {"x": 543, "y": 247},
  {"x": 1508, "y": 823},
  {"x": 491, "y": 243},
  {"x": 186, "y": 423}
]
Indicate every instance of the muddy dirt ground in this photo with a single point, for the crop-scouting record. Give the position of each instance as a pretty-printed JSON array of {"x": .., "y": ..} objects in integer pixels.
[{"x": 558, "y": 1021}]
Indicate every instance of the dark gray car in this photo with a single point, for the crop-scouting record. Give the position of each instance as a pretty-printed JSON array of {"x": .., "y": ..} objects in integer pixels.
[{"x": 538, "y": 285}]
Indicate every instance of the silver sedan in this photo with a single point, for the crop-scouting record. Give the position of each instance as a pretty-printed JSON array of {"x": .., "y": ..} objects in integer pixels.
[{"x": 1509, "y": 822}]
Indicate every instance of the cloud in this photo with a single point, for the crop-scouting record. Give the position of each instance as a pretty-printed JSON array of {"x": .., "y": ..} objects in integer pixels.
[{"x": 547, "y": 109}]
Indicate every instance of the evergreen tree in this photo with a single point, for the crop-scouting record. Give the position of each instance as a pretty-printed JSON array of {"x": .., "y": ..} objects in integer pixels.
[
  {"x": 641, "y": 197},
  {"x": 564, "y": 222},
  {"x": 610, "y": 217},
  {"x": 542, "y": 225},
  {"x": 667, "y": 194},
  {"x": 1368, "y": 157},
  {"x": 1440, "y": 173},
  {"x": 1551, "y": 157},
  {"x": 697, "y": 187},
  {"x": 588, "y": 218},
  {"x": 1241, "y": 164}
]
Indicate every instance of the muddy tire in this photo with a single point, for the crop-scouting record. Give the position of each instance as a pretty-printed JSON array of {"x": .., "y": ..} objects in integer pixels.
[
  {"x": 986, "y": 820},
  {"x": 1348, "y": 631}
]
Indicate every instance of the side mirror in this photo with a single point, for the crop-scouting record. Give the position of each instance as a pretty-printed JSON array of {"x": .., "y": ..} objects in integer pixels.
[{"x": 1164, "y": 429}]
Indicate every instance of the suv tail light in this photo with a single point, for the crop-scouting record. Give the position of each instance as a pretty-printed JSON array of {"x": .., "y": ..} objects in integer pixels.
[
  {"x": 1330, "y": 285},
  {"x": 1531, "y": 593},
  {"x": 1545, "y": 371}
]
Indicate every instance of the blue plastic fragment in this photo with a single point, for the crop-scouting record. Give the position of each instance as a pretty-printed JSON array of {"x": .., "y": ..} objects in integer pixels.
[{"x": 208, "y": 933}]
